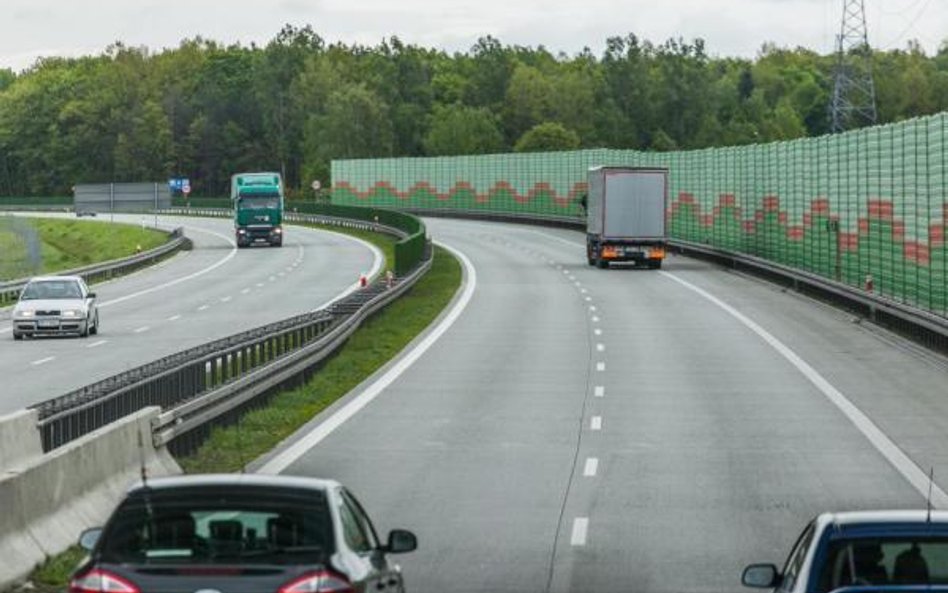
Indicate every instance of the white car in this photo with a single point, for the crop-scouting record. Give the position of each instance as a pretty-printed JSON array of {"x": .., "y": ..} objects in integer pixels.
[{"x": 55, "y": 305}]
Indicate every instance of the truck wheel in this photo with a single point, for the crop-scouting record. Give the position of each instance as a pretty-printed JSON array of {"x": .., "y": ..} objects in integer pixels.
[
  {"x": 591, "y": 260},
  {"x": 655, "y": 264},
  {"x": 602, "y": 264},
  {"x": 17, "y": 336}
]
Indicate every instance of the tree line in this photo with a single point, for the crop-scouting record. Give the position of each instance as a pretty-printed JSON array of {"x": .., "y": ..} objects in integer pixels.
[{"x": 204, "y": 110}]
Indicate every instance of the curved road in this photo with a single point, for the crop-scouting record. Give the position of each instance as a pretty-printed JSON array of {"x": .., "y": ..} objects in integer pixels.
[
  {"x": 210, "y": 292},
  {"x": 586, "y": 430}
]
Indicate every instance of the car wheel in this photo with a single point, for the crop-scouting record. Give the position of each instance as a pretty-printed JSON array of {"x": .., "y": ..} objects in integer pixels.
[
  {"x": 94, "y": 330},
  {"x": 84, "y": 332},
  {"x": 17, "y": 336}
]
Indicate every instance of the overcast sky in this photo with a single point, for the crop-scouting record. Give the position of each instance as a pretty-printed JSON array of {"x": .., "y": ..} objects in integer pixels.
[{"x": 34, "y": 28}]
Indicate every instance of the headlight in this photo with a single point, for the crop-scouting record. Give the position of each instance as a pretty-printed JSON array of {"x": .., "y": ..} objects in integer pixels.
[
  {"x": 72, "y": 313},
  {"x": 278, "y": 230},
  {"x": 241, "y": 231},
  {"x": 24, "y": 313}
]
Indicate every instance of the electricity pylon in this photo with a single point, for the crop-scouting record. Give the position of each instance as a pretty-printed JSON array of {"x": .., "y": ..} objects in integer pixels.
[{"x": 854, "y": 92}]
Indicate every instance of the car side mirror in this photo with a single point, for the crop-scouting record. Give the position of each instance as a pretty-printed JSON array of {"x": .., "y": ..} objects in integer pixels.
[
  {"x": 89, "y": 538},
  {"x": 401, "y": 541},
  {"x": 91, "y": 295},
  {"x": 760, "y": 576}
]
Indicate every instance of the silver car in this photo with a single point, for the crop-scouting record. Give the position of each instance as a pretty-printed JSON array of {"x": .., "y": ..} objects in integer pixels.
[{"x": 55, "y": 305}]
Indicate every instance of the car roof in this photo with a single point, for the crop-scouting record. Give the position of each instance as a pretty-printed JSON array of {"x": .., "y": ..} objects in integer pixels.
[
  {"x": 235, "y": 480},
  {"x": 55, "y": 278},
  {"x": 856, "y": 518}
]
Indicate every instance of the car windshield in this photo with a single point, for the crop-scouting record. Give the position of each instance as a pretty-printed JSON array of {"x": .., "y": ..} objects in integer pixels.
[
  {"x": 919, "y": 560},
  {"x": 258, "y": 203},
  {"x": 52, "y": 289},
  {"x": 200, "y": 526}
]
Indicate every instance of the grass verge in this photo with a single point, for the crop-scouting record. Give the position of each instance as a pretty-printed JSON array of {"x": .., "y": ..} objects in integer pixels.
[
  {"x": 379, "y": 340},
  {"x": 65, "y": 244}
]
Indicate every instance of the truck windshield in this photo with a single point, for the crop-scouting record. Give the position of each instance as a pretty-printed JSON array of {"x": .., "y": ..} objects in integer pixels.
[
  {"x": 258, "y": 202},
  {"x": 906, "y": 560}
]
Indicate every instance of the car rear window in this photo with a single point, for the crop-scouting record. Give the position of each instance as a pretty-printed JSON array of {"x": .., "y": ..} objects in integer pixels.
[
  {"x": 220, "y": 526},
  {"x": 905, "y": 560}
]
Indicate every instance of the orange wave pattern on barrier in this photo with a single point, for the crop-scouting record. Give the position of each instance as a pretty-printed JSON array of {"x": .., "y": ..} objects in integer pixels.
[{"x": 876, "y": 210}]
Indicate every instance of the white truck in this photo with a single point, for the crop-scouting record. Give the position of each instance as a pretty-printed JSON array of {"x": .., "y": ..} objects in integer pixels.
[{"x": 625, "y": 217}]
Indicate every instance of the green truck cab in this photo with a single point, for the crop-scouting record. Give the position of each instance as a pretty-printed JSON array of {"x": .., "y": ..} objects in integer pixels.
[{"x": 258, "y": 208}]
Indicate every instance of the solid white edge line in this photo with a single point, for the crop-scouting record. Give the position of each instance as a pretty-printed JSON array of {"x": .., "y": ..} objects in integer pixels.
[
  {"x": 36, "y": 363},
  {"x": 289, "y": 455},
  {"x": 580, "y": 531},
  {"x": 895, "y": 456}
]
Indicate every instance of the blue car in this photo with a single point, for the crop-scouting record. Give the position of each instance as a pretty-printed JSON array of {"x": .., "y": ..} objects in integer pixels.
[{"x": 861, "y": 552}]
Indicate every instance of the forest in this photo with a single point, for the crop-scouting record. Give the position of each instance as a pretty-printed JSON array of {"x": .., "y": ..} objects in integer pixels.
[{"x": 205, "y": 110}]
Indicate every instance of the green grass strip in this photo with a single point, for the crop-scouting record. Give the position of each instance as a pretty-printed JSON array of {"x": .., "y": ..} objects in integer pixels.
[
  {"x": 378, "y": 340},
  {"x": 66, "y": 244}
]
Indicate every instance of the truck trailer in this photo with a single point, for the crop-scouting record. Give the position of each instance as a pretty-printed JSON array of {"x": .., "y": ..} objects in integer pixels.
[
  {"x": 625, "y": 217},
  {"x": 258, "y": 208}
]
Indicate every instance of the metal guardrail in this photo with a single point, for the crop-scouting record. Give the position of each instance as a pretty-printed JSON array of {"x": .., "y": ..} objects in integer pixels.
[
  {"x": 203, "y": 384},
  {"x": 10, "y": 291}
]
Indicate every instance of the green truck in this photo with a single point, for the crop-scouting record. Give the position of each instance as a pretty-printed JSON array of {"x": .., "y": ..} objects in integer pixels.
[{"x": 258, "y": 208}]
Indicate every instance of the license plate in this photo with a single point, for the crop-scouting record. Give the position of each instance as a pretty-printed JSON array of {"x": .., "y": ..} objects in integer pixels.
[{"x": 48, "y": 323}]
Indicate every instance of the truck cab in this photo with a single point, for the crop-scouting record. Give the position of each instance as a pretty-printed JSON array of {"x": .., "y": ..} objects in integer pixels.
[{"x": 258, "y": 208}]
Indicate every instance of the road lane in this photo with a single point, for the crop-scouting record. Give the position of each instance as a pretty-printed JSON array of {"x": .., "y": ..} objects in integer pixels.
[
  {"x": 527, "y": 458},
  {"x": 189, "y": 300}
]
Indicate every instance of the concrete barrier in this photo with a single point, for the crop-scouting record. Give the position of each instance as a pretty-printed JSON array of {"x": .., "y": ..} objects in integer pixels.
[
  {"x": 47, "y": 501},
  {"x": 19, "y": 439}
]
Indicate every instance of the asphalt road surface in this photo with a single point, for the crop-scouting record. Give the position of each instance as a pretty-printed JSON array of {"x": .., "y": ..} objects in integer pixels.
[
  {"x": 210, "y": 292},
  {"x": 586, "y": 430}
]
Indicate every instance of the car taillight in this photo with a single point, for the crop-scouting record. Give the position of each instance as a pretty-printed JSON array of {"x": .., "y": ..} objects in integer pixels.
[
  {"x": 322, "y": 581},
  {"x": 101, "y": 581}
]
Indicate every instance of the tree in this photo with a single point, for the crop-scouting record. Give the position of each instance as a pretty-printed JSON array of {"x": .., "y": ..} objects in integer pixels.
[
  {"x": 456, "y": 129},
  {"x": 547, "y": 137}
]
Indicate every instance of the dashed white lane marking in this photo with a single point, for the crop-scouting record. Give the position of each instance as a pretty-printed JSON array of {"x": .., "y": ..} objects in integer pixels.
[
  {"x": 96, "y": 344},
  {"x": 259, "y": 284},
  {"x": 600, "y": 366},
  {"x": 592, "y": 307},
  {"x": 595, "y": 319},
  {"x": 225, "y": 299},
  {"x": 245, "y": 291},
  {"x": 600, "y": 347},
  {"x": 600, "y": 391},
  {"x": 281, "y": 274},
  {"x": 899, "y": 460},
  {"x": 36, "y": 363},
  {"x": 285, "y": 458},
  {"x": 580, "y": 530},
  {"x": 597, "y": 331},
  {"x": 583, "y": 291},
  {"x": 204, "y": 307},
  {"x": 589, "y": 299},
  {"x": 576, "y": 284},
  {"x": 174, "y": 318},
  {"x": 142, "y": 329},
  {"x": 595, "y": 423},
  {"x": 591, "y": 467},
  {"x": 272, "y": 279}
]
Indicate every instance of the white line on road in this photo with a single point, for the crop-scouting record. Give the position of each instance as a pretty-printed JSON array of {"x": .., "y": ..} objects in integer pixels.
[
  {"x": 96, "y": 344},
  {"x": 272, "y": 279},
  {"x": 245, "y": 291},
  {"x": 285, "y": 458},
  {"x": 597, "y": 331},
  {"x": 174, "y": 318},
  {"x": 600, "y": 366},
  {"x": 36, "y": 363},
  {"x": 592, "y": 308},
  {"x": 588, "y": 299},
  {"x": 142, "y": 329},
  {"x": 226, "y": 299},
  {"x": 204, "y": 307},
  {"x": 580, "y": 529},
  {"x": 591, "y": 467},
  {"x": 259, "y": 284},
  {"x": 600, "y": 391},
  {"x": 595, "y": 423},
  {"x": 899, "y": 460},
  {"x": 583, "y": 291},
  {"x": 600, "y": 347},
  {"x": 595, "y": 319}
]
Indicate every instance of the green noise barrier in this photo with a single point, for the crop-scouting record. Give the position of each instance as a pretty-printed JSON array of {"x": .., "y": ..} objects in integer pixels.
[{"x": 866, "y": 206}]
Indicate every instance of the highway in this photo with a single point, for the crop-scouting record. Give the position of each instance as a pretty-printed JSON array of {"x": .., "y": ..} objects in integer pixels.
[
  {"x": 209, "y": 292},
  {"x": 577, "y": 429}
]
